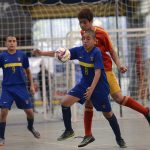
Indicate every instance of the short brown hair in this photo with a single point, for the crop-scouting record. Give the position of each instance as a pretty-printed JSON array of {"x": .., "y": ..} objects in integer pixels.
[
  {"x": 9, "y": 36},
  {"x": 85, "y": 13},
  {"x": 90, "y": 32}
]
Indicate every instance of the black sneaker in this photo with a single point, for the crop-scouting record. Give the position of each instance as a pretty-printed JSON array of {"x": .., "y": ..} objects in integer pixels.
[
  {"x": 121, "y": 143},
  {"x": 86, "y": 140},
  {"x": 66, "y": 135},
  {"x": 34, "y": 132},
  {"x": 148, "y": 117},
  {"x": 2, "y": 142}
]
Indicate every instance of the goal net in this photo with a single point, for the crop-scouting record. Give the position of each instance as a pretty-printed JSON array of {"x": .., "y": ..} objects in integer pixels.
[{"x": 50, "y": 26}]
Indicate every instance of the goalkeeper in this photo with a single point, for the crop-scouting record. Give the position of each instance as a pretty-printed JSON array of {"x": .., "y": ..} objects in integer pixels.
[
  {"x": 93, "y": 85},
  {"x": 85, "y": 17}
]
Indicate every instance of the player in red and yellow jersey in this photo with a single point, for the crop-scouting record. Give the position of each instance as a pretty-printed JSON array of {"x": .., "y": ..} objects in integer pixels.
[{"x": 85, "y": 17}]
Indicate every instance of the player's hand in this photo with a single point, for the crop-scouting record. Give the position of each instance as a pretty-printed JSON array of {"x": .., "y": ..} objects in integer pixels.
[
  {"x": 123, "y": 69},
  {"x": 88, "y": 93},
  {"x": 37, "y": 52},
  {"x": 32, "y": 89}
]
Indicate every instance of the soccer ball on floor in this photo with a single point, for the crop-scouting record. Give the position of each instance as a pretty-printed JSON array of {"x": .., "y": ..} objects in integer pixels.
[{"x": 63, "y": 54}]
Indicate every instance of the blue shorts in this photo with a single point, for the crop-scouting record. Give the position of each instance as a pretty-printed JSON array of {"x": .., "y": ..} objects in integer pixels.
[
  {"x": 100, "y": 101},
  {"x": 17, "y": 93}
]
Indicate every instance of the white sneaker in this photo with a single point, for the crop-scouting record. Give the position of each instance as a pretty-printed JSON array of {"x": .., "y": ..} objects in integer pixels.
[{"x": 2, "y": 142}]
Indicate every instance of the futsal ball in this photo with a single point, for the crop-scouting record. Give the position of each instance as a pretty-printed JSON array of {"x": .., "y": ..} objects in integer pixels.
[{"x": 63, "y": 54}]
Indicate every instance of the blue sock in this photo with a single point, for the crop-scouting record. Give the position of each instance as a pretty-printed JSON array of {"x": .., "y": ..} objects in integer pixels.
[
  {"x": 2, "y": 129},
  {"x": 66, "y": 112},
  {"x": 115, "y": 126},
  {"x": 30, "y": 123}
]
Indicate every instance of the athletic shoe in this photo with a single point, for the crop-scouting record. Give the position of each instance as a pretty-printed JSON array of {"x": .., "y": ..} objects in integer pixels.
[
  {"x": 66, "y": 135},
  {"x": 86, "y": 140},
  {"x": 121, "y": 143},
  {"x": 148, "y": 116},
  {"x": 2, "y": 142},
  {"x": 34, "y": 132}
]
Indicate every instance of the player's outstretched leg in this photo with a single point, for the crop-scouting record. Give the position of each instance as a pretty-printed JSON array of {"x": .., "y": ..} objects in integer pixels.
[
  {"x": 133, "y": 104},
  {"x": 66, "y": 112},
  {"x": 116, "y": 129},
  {"x": 31, "y": 128}
]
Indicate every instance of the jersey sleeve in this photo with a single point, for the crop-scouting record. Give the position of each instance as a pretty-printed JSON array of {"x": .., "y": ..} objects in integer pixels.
[
  {"x": 104, "y": 36},
  {"x": 98, "y": 61},
  {"x": 74, "y": 53},
  {"x": 25, "y": 61}
]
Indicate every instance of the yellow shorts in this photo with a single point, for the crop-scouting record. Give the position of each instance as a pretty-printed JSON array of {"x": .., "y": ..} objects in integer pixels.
[{"x": 113, "y": 82}]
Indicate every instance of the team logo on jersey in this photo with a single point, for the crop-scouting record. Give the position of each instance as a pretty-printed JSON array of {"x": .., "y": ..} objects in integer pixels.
[
  {"x": 91, "y": 58},
  {"x": 19, "y": 59}
]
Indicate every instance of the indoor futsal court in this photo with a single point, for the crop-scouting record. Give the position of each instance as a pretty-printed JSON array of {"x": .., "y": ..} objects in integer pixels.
[
  {"x": 135, "y": 131},
  {"x": 121, "y": 27}
]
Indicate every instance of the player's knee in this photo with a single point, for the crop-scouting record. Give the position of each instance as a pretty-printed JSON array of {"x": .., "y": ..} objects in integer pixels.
[
  {"x": 118, "y": 97},
  {"x": 88, "y": 104},
  {"x": 89, "y": 109},
  {"x": 69, "y": 101},
  {"x": 29, "y": 113},
  {"x": 65, "y": 104},
  {"x": 3, "y": 116},
  {"x": 108, "y": 114}
]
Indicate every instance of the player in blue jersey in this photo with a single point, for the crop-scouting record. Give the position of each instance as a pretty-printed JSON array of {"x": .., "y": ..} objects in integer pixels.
[
  {"x": 93, "y": 86},
  {"x": 16, "y": 71}
]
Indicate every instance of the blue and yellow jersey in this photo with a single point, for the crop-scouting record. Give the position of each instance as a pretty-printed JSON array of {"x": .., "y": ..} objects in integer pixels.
[
  {"x": 13, "y": 66},
  {"x": 89, "y": 62}
]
